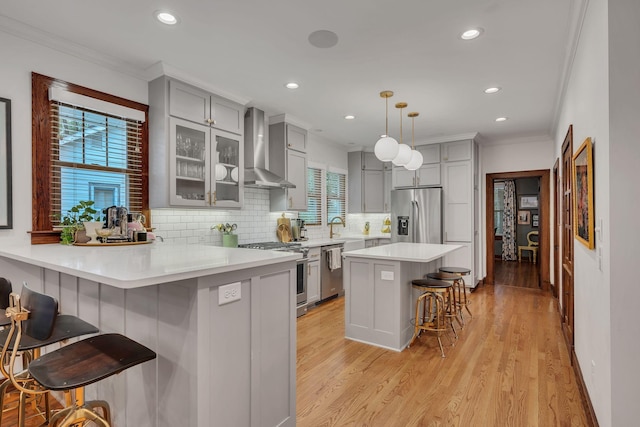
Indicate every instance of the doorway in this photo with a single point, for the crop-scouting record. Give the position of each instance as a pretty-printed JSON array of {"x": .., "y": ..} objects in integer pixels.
[
  {"x": 567, "y": 239},
  {"x": 543, "y": 222}
]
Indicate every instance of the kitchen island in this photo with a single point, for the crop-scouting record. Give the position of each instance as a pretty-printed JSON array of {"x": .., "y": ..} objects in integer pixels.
[
  {"x": 379, "y": 298},
  {"x": 225, "y": 358}
]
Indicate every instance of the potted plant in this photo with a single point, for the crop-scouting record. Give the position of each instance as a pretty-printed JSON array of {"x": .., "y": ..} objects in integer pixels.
[
  {"x": 229, "y": 240},
  {"x": 73, "y": 221}
]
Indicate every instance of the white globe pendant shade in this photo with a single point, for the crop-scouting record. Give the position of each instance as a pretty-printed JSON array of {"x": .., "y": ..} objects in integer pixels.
[
  {"x": 415, "y": 162},
  {"x": 386, "y": 149},
  {"x": 404, "y": 155}
]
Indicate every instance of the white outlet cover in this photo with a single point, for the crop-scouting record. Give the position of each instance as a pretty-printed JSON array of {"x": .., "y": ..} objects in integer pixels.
[
  {"x": 229, "y": 293},
  {"x": 386, "y": 275}
]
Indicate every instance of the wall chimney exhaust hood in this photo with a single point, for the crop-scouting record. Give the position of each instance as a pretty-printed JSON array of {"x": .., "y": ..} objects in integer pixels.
[{"x": 256, "y": 153}]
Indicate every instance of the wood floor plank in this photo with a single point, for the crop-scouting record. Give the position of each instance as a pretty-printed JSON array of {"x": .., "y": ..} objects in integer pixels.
[{"x": 509, "y": 367}]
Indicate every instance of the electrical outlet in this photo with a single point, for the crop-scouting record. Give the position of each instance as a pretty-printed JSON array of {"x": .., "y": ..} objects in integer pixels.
[
  {"x": 386, "y": 275},
  {"x": 229, "y": 293}
]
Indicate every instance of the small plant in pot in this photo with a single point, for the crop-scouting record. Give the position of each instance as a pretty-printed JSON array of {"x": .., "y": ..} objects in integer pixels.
[
  {"x": 229, "y": 239},
  {"x": 72, "y": 221}
]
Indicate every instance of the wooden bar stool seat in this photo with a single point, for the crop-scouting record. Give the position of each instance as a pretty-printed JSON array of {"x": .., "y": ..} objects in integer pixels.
[
  {"x": 435, "y": 299},
  {"x": 69, "y": 368},
  {"x": 44, "y": 327},
  {"x": 455, "y": 280},
  {"x": 462, "y": 298}
]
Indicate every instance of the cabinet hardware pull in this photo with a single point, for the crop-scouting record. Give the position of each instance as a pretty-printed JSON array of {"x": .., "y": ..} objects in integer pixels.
[
  {"x": 215, "y": 199},
  {"x": 289, "y": 145}
]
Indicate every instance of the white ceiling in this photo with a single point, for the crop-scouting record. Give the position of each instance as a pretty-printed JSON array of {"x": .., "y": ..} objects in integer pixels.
[{"x": 248, "y": 49}]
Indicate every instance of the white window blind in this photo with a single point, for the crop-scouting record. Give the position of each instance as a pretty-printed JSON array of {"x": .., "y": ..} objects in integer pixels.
[
  {"x": 313, "y": 215},
  {"x": 336, "y": 195},
  {"x": 94, "y": 156}
]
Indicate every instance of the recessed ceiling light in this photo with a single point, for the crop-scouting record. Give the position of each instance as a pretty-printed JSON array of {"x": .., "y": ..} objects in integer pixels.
[
  {"x": 166, "y": 17},
  {"x": 471, "y": 34},
  {"x": 492, "y": 89},
  {"x": 349, "y": 117},
  {"x": 292, "y": 85},
  {"x": 501, "y": 119}
]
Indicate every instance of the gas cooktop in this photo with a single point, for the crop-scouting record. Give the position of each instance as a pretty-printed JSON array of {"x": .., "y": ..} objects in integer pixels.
[{"x": 271, "y": 245}]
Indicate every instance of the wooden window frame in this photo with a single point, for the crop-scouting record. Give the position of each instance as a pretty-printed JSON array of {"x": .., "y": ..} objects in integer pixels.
[{"x": 42, "y": 227}]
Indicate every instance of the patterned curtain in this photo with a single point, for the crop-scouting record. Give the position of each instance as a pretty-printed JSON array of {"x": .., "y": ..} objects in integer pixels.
[{"x": 509, "y": 222}]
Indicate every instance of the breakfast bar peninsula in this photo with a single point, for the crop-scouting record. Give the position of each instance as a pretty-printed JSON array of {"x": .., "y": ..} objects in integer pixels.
[
  {"x": 221, "y": 320},
  {"x": 379, "y": 299}
]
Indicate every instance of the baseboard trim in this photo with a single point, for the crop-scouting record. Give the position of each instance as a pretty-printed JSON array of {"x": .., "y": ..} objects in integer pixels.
[{"x": 584, "y": 394}]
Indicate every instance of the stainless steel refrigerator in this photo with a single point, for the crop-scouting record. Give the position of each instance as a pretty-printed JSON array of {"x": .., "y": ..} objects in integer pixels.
[{"x": 416, "y": 215}]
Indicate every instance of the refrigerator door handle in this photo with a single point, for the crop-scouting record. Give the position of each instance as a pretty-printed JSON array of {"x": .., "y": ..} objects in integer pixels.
[{"x": 414, "y": 222}]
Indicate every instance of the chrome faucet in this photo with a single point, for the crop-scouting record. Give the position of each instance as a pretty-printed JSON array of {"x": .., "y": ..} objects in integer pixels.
[{"x": 331, "y": 224}]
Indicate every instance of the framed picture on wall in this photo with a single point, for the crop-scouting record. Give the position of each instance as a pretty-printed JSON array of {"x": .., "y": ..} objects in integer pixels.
[
  {"x": 583, "y": 222},
  {"x": 524, "y": 218},
  {"x": 529, "y": 202}
]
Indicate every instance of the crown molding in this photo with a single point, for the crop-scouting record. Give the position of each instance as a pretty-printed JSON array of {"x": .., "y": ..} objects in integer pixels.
[{"x": 43, "y": 38}]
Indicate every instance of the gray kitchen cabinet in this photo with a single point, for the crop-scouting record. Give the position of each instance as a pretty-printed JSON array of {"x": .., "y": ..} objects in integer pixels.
[
  {"x": 199, "y": 106},
  {"x": 427, "y": 175},
  {"x": 191, "y": 164},
  {"x": 366, "y": 183},
  {"x": 457, "y": 150},
  {"x": 289, "y": 163},
  {"x": 387, "y": 187},
  {"x": 313, "y": 276},
  {"x": 461, "y": 205}
]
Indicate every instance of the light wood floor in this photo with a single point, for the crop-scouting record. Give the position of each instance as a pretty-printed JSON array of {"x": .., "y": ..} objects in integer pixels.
[{"x": 510, "y": 367}]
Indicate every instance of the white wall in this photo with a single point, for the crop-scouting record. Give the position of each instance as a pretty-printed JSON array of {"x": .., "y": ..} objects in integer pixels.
[
  {"x": 509, "y": 156},
  {"x": 20, "y": 58},
  {"x": 586, "y": 106},
  {"x": 621, "y": 231}
]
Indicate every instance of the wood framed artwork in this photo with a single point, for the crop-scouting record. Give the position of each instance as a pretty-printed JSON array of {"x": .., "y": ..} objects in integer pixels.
[
  {"x": 529, "y": 202},
  {"x": 524, "y": 217},
  {"x": 583, "y": 221},
  {"x": 6, "y": 210}
]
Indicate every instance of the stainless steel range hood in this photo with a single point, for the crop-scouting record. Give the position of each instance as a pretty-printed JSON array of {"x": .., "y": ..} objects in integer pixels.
[{"x": 256, "y": 153}]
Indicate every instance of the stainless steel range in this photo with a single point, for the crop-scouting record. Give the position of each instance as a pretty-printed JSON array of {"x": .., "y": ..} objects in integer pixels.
[{"x": 301, "y": 270}]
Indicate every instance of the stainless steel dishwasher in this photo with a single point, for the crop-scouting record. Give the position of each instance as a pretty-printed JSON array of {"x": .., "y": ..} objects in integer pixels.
[{"x": 330, "y": 279}]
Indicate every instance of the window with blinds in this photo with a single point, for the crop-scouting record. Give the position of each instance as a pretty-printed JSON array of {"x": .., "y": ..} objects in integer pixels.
[
  {"x": 336, "y": 195},
  {"x": 313, "y": 215},
  {"x": 86, "y": 145},
  {"x": 94, "y": 156}
]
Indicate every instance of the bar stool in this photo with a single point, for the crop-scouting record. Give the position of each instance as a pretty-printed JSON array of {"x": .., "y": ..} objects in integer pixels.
[
  {"x": 454, "y": 279},
  {"x": 71, "y": 367},
  {"x": 436, "y": 295},
  {"x": 5, "y": 291},
  {"x": 44, "y": 327},
  {"x": 463, "y": 300}
]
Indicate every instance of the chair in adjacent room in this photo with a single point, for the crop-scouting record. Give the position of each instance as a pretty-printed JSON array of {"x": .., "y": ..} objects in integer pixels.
[
  {"x": 72, "y": 367},
  {"x": 434, "y": 302},
  {"x": 532, "y": 246}
]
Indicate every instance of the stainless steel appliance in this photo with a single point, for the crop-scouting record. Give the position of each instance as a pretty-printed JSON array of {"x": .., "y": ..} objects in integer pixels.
[
  {"x": 416, "y": 215},
  {"x": 330, "y": 275},
  {"x": 301, "y": 268}
]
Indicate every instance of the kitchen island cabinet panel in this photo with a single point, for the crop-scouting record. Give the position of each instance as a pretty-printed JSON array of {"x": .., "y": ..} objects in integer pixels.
[{"x": 217, "y": 365}]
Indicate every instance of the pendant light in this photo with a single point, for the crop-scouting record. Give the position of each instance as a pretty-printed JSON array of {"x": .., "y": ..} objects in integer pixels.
[
  {"x": 386, "y": 149},
  {"x": 404, "y": 152},
  {"x": 416, "y": 156}
]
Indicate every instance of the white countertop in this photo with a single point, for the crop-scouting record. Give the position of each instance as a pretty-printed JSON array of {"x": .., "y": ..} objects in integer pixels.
[
  {"x": 130, "y": 267},
  {"x": 343, "y": 238},
  {"x": 412, "y": 252}
]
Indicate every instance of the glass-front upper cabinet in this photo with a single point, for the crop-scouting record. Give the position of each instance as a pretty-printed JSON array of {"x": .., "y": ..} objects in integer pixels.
[
  {"x": 227, "y": 173},
  {"x": 204, "y": 166}
]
